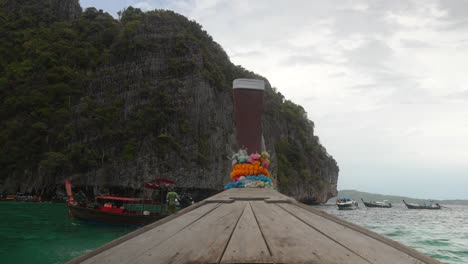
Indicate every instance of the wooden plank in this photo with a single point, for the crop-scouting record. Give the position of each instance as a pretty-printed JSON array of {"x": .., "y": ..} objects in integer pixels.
[
  {"x": 257, "y": 192},
  {"x": 235, "y": 232},
  {"x": 292, "y": 241},
  {"x": 135, "y": 233},
  {"x": 202, "y": 242},
  {"x": 248, "y": 194},
  {"x": 247, "y": 244},
  {"x": 365, "y": 232},
  {"x": 135, "y": 247},
  {"x": 372, "y": 250}
]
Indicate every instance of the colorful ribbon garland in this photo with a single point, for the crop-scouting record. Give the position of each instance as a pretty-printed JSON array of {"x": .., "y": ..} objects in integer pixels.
[{"x": 250, "y": 171}]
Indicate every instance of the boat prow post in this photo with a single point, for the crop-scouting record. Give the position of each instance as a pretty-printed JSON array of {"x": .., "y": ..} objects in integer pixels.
[{"x": 68, "y": 188}]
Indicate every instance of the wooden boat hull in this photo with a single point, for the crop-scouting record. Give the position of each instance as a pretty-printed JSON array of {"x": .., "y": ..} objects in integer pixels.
[
  {"x": 374, "y": 205},
  {"x": 422, "y": 207},
  {"x": 253, "y": 225},
  {"x": 412, "y": 206},
  {"x": 371, "y": 205},
  {"x": 347, "y": 206},
  {"x": 94, "y": 215}
]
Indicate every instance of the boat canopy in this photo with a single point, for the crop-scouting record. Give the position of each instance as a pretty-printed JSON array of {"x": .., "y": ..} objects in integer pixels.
[
  {"x": 121, "y": 199},
  {"x": 159, "y": 183}
]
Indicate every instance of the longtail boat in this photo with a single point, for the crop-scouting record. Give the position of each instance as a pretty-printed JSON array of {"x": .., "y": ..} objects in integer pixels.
[
  {"x": 430, "y": 206},
  {"x": 119, "y": 210},
  {"x": 377, "y": 204},
  {"x": 250, "y": 222},
  {"x": 105, "y": 211},
  {"x": 346, "y": 203},
  {"x": 8, "y": 198}
]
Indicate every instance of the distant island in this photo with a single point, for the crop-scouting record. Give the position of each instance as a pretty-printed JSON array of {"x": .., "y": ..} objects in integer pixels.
[{"x": 357, "y": 195}]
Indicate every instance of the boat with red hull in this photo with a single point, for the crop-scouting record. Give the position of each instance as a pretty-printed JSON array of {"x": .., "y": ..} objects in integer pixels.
[
  {"x": 119, "y": 210},
  {"x": 115, "y": 216}
]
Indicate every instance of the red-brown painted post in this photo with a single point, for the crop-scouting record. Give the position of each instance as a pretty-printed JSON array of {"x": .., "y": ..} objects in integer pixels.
[{"x": 248, "y": 109}]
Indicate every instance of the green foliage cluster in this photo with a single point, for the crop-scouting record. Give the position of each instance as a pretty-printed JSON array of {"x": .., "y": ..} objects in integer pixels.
[
  {"x": 50, "y": 121},
  {"x": 190, "y": 38},
  {"x": 43, "y": 66}
]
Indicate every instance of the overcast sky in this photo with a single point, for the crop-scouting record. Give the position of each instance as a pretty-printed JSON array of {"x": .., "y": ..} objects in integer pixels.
[{"x": 384, "y": 81}]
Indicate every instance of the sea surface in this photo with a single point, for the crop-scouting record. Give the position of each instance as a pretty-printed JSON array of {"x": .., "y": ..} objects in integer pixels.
[
  {"x": 42, "y": 233},
  {"x": 441, "y": 234}
]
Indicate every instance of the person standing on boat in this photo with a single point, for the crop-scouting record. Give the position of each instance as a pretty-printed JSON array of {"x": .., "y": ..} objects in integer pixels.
[{"x": 171, "y": 198}]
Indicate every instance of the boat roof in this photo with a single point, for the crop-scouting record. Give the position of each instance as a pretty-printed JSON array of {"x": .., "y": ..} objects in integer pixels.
[
  {"x": 159, "y": 183},
  {"x": 123, "y": 199}
]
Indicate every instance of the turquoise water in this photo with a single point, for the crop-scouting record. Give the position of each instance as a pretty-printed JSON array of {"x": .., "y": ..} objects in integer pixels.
[
  {"x": 441, "y": 234},
  {"x": 42, "y": 233}
]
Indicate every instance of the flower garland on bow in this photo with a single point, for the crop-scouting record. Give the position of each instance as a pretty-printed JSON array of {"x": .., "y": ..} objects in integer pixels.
[{"x": 250, "y": 171}]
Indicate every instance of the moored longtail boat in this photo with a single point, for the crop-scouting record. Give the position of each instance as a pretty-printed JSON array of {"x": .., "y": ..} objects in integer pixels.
[
  {"x": 377, "y": 204},
  {"x": 346, "y": 203},
  {"x": 430, "y": 206},
  {"x": 116, "y": 210}
]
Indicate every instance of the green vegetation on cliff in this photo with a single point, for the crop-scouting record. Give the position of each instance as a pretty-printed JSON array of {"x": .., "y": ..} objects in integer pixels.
[
  {"x": 116, "y": 101},
  {"x": 45, "y": 63}
]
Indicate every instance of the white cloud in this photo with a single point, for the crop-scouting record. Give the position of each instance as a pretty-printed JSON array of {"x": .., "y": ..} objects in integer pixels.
[{"x": 145, "y": 6}]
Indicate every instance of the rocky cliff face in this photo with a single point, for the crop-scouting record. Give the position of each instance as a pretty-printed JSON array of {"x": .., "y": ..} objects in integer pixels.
[
  {"x": 161, "y": 106},
  {"x": 69, "y": 9},
  {"x": 44, "y": 10},
  {"x": 302, "y": 165}
]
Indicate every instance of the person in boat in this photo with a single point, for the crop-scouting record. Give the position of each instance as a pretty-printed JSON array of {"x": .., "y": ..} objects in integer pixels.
[
  {"x": 185, "y": 200},
  {"x": 171, "y": 199}
]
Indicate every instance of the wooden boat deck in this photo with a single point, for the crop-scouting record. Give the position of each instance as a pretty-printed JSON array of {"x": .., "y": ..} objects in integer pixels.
[{"x": 252, "y": 226}]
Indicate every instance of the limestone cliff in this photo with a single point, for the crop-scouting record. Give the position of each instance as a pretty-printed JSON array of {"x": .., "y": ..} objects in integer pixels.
[
  {"x": 155, "y": 101},
  {"x": 44, "y": 10}
]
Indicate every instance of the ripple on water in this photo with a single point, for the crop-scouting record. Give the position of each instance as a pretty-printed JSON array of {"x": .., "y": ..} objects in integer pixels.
[
  {"x": 441, "y": 234},
  {"x": 436, "y": 242},
  {"x": 395, "y": 233}
]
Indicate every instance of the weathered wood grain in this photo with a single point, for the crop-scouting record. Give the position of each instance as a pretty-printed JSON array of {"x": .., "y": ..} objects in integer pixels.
[
  {"x": 252, "y": 226},
  {"x": 129, "y": 250},
  {"x": 372, "y": 250},
  {"x": 292, "y": 241},
  {"x": 248, "y": 194},
  {"x": 367, "y": 233},
  {"x": 201, "y": 242},
  {"x": 247, "y": 244}
]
